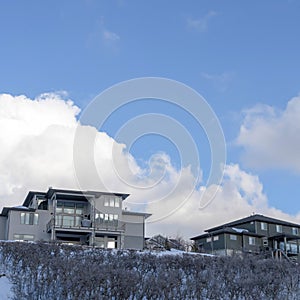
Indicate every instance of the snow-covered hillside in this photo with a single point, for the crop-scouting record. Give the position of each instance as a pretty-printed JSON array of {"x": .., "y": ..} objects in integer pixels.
[{"x": 5, "y": 288}]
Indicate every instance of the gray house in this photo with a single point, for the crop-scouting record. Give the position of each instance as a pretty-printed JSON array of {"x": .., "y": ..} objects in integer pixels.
[
  {"x": 255, "y": 234},
  {"x": 80, "y": 217}
]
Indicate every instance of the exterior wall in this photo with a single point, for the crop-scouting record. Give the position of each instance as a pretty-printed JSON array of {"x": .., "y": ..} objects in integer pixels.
[
  {"x": 234, "y": 245},
  {"x": 218, "y": 242},
  {"x": 224, "y": 243},
  {"x": 252, "y": 248},
  {"x": 38, "y": 231},
  {"x": 259, "y": 230},
  {"x": 213, "y": 245},
  {"x": 3, "y": 227},
  {"x": 99, "y": 205},
  {"x": 134, "y": 231},
  {"x": 271, "y": 229}
]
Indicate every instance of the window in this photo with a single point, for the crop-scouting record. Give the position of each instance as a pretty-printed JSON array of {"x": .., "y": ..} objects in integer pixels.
[
  {"x": 100, "y": 242},
  {"x": 233, "y": 237},
  {"x": 111, "y": 243},
  {"x": 294, "y": 248},
  {"x": 216, "y": 238},
  {"x": 69, "y": 213},
  {"x": 295, "y": 230},
  {"x": 263, "y": 226},
  {"x": 208, "y": 240},
  {"x": 279, "y": 228},
  {"x": 112, "y": 201},
  {"x": 106, "y": 219},
  {"x": 29, "y": 218},
  {"x": 72, "y": 208},
  {"x": 251, "y": 240},
  {"x": 23, "y": 237},
  {"x": 68, "y": 220},
  {"x": 106, "y": 242}
]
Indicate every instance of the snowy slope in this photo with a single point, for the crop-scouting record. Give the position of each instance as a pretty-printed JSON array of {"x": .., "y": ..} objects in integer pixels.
[{"x": 5, "y": 287}]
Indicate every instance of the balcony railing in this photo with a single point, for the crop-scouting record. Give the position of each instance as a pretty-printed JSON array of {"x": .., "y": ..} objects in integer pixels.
[{"x": 86, "y": 225}]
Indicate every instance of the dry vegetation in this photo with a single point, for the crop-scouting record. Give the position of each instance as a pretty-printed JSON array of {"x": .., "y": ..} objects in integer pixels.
[{"x": 52, "y": 271}]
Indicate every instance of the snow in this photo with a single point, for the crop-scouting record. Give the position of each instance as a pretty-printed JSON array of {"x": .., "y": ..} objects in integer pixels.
[
  {"x": 173, "y": 252},
  {"x": 239, "y": 230},
  {"x": 5, "y": 288}
]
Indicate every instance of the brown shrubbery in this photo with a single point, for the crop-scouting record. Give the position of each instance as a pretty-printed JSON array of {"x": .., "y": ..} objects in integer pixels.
[{"x": 52, "y": 271}]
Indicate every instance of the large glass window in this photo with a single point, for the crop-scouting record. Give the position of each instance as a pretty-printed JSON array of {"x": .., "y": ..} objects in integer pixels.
[
  {"x": 80, "y": 209},
  {"x": 112, "y": 201},
  {"x": 68, "y": 207},
  {"x": 294, "y": 248},
  {"x": 68, "y": 221},
  {"x": 28, "y": 218},
  {"x": 69, "y": 214},
  {"x": 102, "y": 219},
  {"x": 295, "y": 230}
]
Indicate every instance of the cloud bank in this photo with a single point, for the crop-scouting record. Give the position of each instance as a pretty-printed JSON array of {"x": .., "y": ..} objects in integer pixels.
[
  {"x": 36, "y": 152},
  {"x": 270, "y": 137}
]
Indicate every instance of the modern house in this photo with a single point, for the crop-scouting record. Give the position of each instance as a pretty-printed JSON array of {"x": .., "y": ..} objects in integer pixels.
[
  {"x": 81, "y": 217},
  {"x": 256, "y": 234}
]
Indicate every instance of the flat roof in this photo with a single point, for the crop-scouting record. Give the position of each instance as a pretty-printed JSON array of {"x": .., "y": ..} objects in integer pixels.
[
  {"x": 52, "y": 191},
  {"x": 5, "y": 210},
  {"x": 134, "y": 213}
]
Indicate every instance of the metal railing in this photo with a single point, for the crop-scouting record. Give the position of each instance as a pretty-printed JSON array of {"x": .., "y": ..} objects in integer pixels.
[{"x": 120, "y": 226}]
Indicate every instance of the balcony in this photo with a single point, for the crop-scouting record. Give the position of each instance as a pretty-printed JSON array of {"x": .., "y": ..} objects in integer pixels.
[{"x": 85, "y": 225}]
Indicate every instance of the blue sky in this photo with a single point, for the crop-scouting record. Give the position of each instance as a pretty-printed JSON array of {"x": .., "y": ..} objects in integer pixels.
[{"x": 237, "y": 55}]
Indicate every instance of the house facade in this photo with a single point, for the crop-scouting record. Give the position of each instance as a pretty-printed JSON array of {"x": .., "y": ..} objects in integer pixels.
[
  {"x": 254, "y": 234},
  {"x": 80, "y": 217}
]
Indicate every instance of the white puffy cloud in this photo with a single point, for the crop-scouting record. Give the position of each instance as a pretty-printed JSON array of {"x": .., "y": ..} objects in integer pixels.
[
  {"x": 37, "y": 138},
  {"x": 240, "y": 195},
  {"x": 270, "y": 137}
]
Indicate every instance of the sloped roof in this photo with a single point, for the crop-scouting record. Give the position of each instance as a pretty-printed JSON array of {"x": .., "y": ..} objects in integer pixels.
[
  {"x": 227, "y": 230},
  {"x": 256, "y": 217}
]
